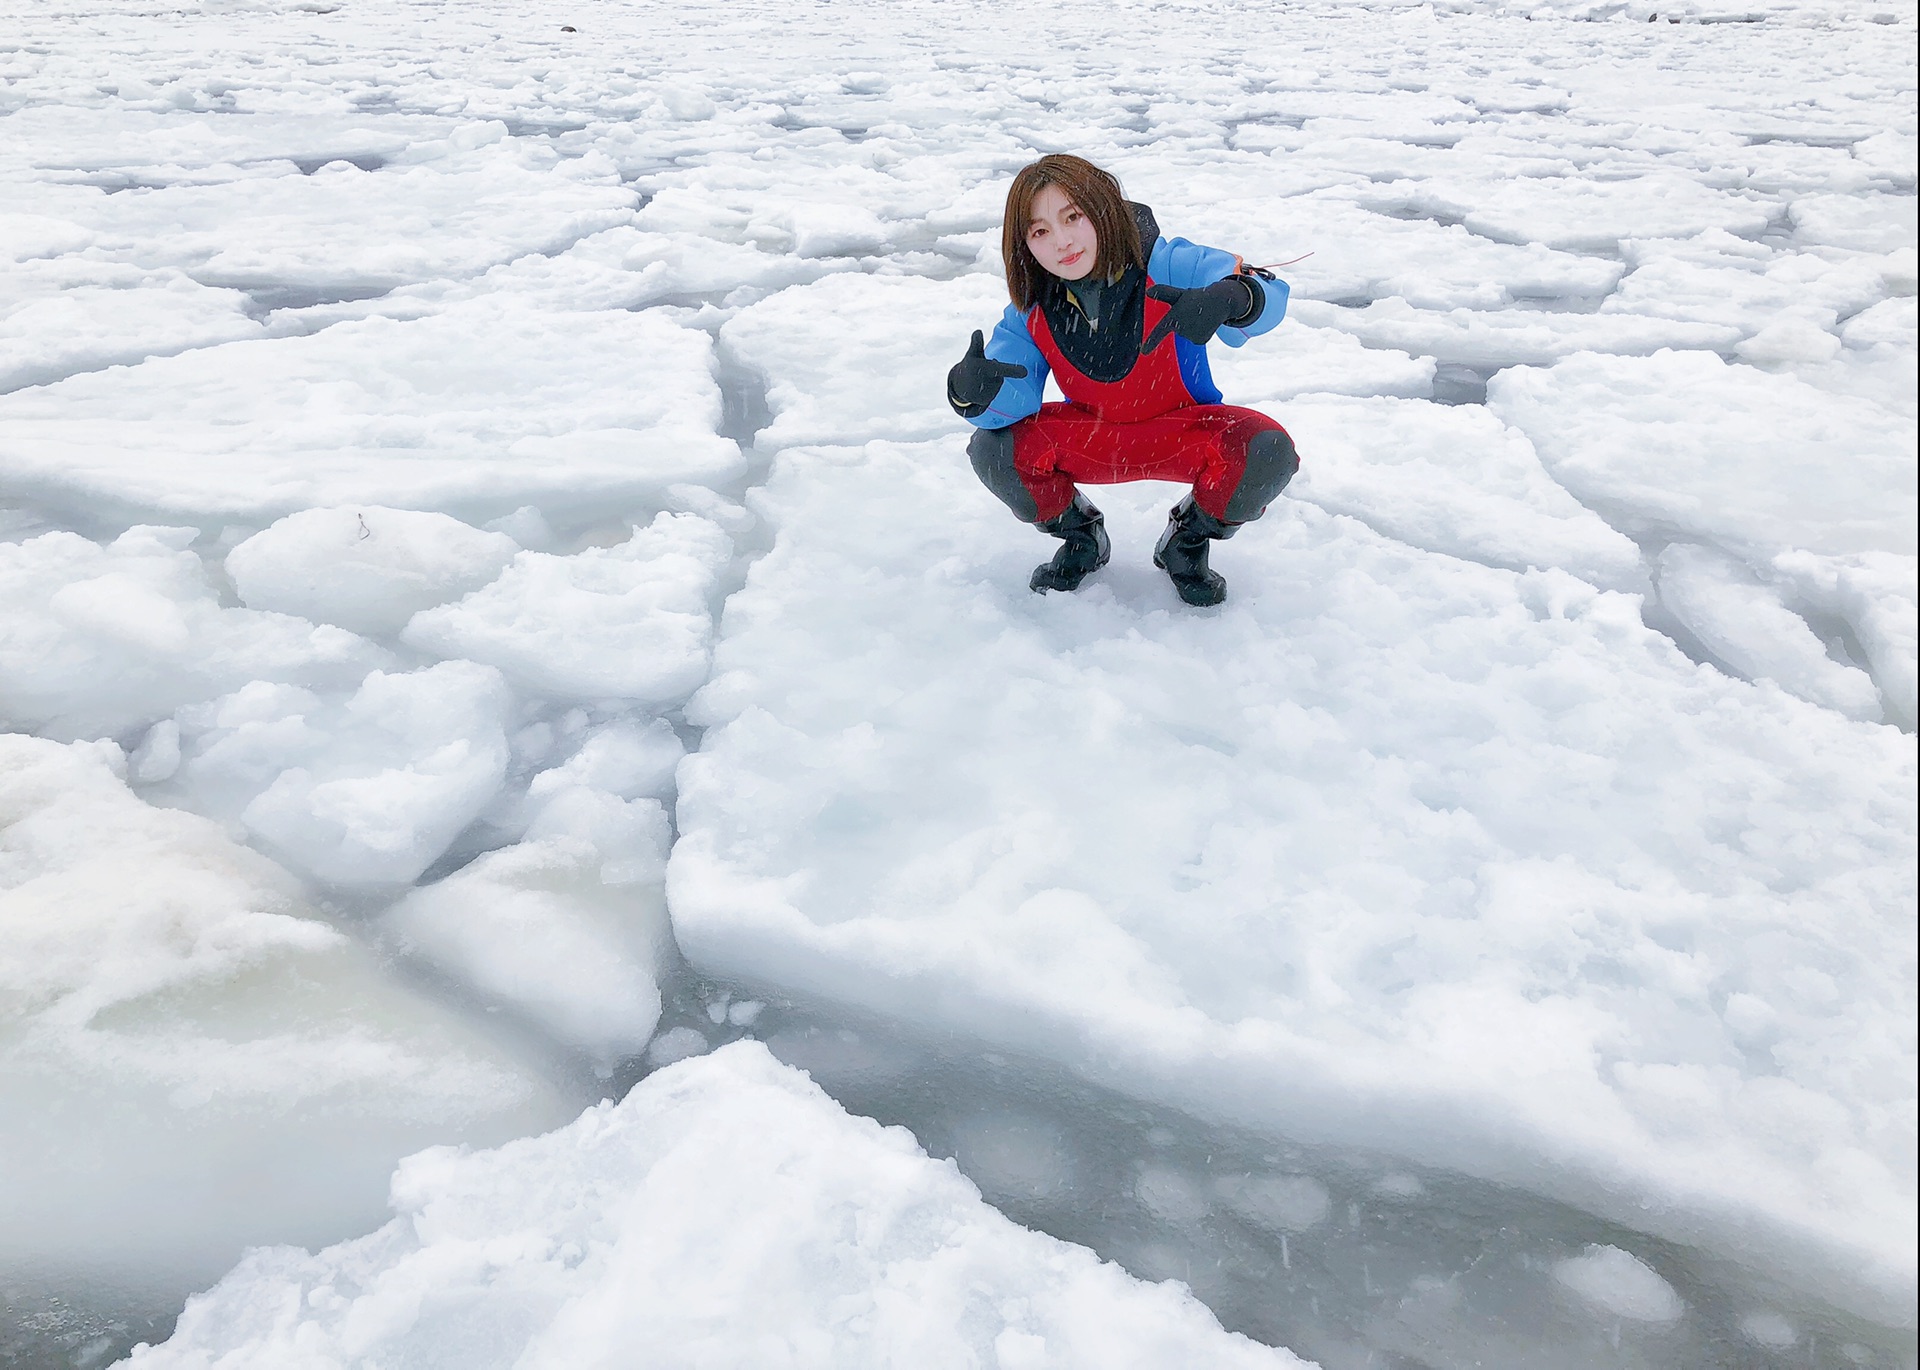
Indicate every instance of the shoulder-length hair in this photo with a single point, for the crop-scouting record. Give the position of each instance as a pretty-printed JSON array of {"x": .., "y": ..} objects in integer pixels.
[{"x": 1097, "y": 195}]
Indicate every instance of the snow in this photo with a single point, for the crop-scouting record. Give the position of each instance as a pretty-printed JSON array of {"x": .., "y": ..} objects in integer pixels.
[
  {"x": 383, "y": 411},
  {"x": 625, "y": 622},
  {"x": 481, "y": 499},
  {"x": 844, "y": 1246},
  {"x": 101, "y": 641},
  {"x": 1399, "y": 806},
  {"x": 369, "y": 789},
  {"x": 368, "y": 570},
  {"x": 1743, "y": 623},
  {"x": 1766, "y": 462}
]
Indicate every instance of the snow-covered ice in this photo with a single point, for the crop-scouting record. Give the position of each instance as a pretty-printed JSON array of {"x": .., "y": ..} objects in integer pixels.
[
  {"x": 725, "y": 1212},
  {"x": 99, "y": 641},
  {"x": 1350, "y": 876},
  {"x": 627, "y": 622},
  {"x": 368, "y": 570},
  {"x": 481, "y": 408},
  {"x": 480, "y": 499}
]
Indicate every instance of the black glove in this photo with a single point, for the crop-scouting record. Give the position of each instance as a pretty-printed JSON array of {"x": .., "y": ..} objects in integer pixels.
[
  {"x": 1197, "y": 314},
  {"x": 975, "y": 378}
]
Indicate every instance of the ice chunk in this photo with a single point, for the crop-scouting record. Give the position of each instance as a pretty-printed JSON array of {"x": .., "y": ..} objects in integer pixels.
[
  {"x": 1744, "y": 623},
  {"x": 194, "y": 1062},
  {"x": 829, "y": 392},
  {"x": 1450, "y": 479},
  {"x": 1891, "y": 323},
  {"x": 1684, "y": 440},
  {"x": 450, "y": 206},
  {"x": 158, "y": 755},
  {"x": 367, "y": 790},
  {"x": 1297, "y": 359},
  {"x": 1577, "y": 212},
  {"x": 1868, "y": 223},
  {"x": 1398, "y": 807},
  {"x": 625, "y": 757},
  {"x": 1878, "y": 597},
  {"x": 366, "y": 569},
  {"x": 626, "y": 622},
  {"x": 1764, "y": 1327},
  {"x": 1510, "y": 337},
  {"x": 1170, "y": 1195},
  {"x": 105, "y": 641},
  {"x": 1790, "y": 338},
  {"x": 1386, "y": 245},
  {"x": 1620, "y": 1283},
  {"x": 836, "y": 230},
  {"x": 70, "y": 315},
  {"x": 675, "y": 1044},
  {"x": 844, "y": 1245},
  {"x": 1016, "y": 1159},
  {"x": 489, "y": 405},
  {"x": 1281, "y": 1203},
  {"x": 569, "y": 928}
]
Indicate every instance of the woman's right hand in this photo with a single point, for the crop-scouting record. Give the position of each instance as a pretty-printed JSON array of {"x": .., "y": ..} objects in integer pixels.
[{"x": 975, "y": 378}]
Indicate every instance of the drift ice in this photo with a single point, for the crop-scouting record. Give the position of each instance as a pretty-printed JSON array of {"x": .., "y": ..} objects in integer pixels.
[{"x": 1077, "y": 258}]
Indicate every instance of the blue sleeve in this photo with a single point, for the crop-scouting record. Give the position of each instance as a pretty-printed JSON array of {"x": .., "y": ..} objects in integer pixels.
[
  {"x": 1018, "y": 396},
  {"x": 1177, "y": 262}
]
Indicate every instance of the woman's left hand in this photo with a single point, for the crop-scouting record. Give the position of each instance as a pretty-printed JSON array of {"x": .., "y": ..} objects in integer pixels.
[{"x": 1198, "y": 314}]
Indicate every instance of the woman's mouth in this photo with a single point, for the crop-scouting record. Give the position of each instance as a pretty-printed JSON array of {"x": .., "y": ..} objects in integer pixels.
[{"x": 1073, "y": 257}]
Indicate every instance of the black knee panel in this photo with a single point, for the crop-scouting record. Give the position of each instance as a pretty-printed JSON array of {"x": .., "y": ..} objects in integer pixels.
[
  {"x": 991, "y": 450},
  {"x": 1271, "y": 463}
]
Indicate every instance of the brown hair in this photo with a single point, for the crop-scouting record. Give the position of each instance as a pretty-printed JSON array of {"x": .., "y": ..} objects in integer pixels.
[{"x": 1098, "y": 197}]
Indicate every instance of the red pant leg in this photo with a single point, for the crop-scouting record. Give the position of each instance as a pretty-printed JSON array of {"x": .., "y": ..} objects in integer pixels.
[{"x": 1202, "y": 445}]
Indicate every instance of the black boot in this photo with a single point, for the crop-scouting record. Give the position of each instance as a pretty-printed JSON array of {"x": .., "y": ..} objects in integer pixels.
[
  {"x": 1084, "y": 549},
  {"x": 1182, "y": 552}
]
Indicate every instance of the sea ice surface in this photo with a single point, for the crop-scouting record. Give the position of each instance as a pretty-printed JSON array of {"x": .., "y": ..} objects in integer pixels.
[
  {"x": 494, "y": 465},
  {"x": 404, "y": 412}
]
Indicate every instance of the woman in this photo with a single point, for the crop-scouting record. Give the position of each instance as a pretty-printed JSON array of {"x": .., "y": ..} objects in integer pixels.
[{"x": 1121, "y": 317}]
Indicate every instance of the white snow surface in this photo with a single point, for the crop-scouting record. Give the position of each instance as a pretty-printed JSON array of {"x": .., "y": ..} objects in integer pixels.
[
  {"x": 483, "y": 407},
  {"x": 102, "y": 641},
  {"x": 626, "y": 622},
  {"x": 420, "y": 424},
  {"x": 725, "y": 1213},
  {"x": 368, "y": 570},
  {"x": 369, "y": 789}
]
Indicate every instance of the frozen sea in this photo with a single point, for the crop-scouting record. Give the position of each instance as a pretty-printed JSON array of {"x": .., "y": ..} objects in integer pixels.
[{"x": 540, "y": 824}]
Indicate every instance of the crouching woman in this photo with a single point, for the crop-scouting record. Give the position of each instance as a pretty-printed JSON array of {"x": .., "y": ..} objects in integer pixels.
[{"x": 1121, "y": 317}]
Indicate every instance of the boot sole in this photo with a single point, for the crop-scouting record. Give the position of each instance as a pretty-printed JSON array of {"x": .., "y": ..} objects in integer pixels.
[
  {"x": 1200, "y": 594},
  {"x": 1039, "y": 585}
]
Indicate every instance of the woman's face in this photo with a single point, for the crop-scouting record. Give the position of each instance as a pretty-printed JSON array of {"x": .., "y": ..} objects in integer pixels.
[{"x": 1059, "y": 236}]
